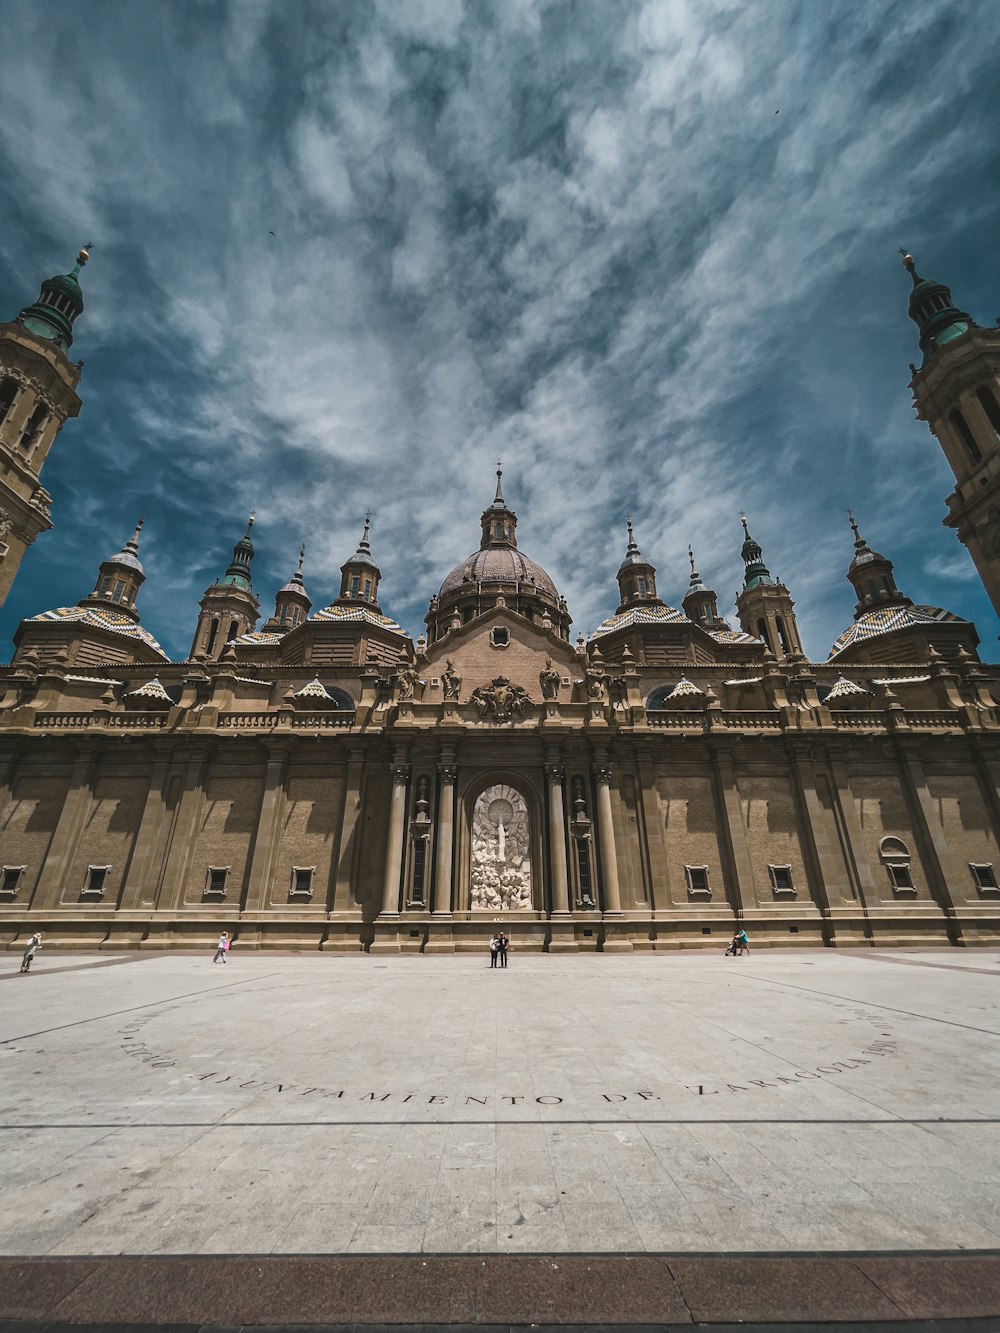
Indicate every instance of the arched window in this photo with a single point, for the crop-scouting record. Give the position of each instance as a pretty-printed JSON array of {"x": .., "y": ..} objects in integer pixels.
[
  {"x": 33, "y": 428},
  {"x": 989, "y": 406},
  {"x": 213, "y": 634},
  {"x": 9, "y": 387},
  {"x": 234, "y": 629},
  {"x": 895, "y": 857},
  {"x": 965, "y": 435},
  {"x": 762, "y": 633}
]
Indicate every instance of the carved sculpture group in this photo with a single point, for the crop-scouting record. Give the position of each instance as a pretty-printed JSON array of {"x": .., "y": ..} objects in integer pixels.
[{"x": 500, "y": 701}]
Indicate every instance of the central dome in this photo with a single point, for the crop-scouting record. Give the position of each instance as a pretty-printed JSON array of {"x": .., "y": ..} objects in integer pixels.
[
  {"x": 498, "y": 564},
  {"x": 498, "y": 574}
]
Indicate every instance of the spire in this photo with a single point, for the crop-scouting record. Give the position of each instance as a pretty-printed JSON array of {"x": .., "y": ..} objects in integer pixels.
[
  {"x": 363, "y": 555},
  {"x": 700, "y": 603},
  {"x": 636, "y": 575},
  {"x": 120, "y": 577},
  {"x": 755, "y": 572},
  {"x": 291, "y": 603},
  {"x": 499, "y": 522},
  {"x": 871, "y": 576},
  {"x": 633, "y": 556},
  {"x": 238, "y": 573},
  {"x": 359, "y": 576},
  {"x": 59, "y": 305},
  {"x": 933, "y": 311}
]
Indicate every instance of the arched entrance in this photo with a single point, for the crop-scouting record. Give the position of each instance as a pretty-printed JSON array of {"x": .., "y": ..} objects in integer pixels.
[{"x": 500, "y": 871}]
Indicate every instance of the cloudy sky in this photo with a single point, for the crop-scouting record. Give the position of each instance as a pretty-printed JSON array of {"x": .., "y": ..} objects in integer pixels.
[{"x": 348, "y": 253}]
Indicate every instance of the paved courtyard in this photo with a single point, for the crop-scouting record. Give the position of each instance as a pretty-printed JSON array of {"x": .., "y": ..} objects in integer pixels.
[{"x": 780, "y": 1102}]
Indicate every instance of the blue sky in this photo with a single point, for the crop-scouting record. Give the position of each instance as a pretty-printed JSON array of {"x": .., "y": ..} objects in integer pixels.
[{"x": 349, "y": 254}]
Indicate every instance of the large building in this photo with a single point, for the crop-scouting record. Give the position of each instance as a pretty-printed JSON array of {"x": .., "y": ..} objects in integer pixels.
[{"x": 324, "y": 781}]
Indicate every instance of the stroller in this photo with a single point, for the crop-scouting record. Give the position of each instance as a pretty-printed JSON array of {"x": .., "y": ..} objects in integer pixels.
[{"x": 731, "y": 948}]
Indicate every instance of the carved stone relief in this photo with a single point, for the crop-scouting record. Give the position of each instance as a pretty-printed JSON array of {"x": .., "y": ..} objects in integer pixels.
[{"x": 501, "y": 864}]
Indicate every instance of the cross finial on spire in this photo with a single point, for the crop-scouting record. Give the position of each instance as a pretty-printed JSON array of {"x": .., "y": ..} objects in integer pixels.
[
  {"x": 302, "y": 556},
  {"x": 691, "y": 558},
  {"x": 498, "y": 498},
  {"x": 746, "y": 530}
]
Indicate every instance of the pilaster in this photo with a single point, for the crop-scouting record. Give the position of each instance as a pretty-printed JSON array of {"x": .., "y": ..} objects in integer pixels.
[
  {"x": 52, "y": 884},
  {"x": 268, "y": 833}
]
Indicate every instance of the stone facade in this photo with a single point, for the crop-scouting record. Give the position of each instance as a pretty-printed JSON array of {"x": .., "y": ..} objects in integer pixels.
[{"x": 326, "y": 782}]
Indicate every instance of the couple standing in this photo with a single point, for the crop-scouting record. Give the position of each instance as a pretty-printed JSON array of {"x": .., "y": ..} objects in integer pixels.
[{"x": 499, "y": 945}]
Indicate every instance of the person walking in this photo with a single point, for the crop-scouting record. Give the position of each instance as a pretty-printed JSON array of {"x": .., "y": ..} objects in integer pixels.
[
  {"x": 31, "y": 948},
  {"x": 494, "y": 950},
  {"x": 504, "y": 946},
  {"x": 743, "y": 942},
  {"x": 222, "y": 948}
]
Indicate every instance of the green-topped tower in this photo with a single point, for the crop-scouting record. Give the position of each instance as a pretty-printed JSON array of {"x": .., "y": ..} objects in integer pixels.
[
  {"x": 229, "y": 607},
  {"x": 956, "y": 390},
  {"x": 765, "y": 605},
  {"x": 38, "y": 385}
]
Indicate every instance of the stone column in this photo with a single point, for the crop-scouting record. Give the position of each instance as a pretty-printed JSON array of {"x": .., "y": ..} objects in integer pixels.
[
  {"x": 394, "y": 842},
  {"x": 52, "y": 880},
  {"x": 853, "y": 841},
  {"x": 612, "y": 898},
  {"x": 445, "y": 838},
  {"x": 139, "y": 889},
  {"x": 8, "y": 768},
  {"x": 344, "y": 898},
  {"x": 184, "y": 836},
  {"x": 557, "y": 836},
  {"x": 942, "y": 870},
  {"x": 734, "y": 834},
  {"x": 827, "y": 864},
  {"x": 267, "y": 836}
]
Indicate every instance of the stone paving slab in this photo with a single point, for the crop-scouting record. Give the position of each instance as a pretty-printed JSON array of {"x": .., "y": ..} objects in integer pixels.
[{"x": 816, "y": 1100}]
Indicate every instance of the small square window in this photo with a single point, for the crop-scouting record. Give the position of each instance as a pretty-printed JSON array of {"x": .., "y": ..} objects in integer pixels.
[
  {"x": 899, "y": 874},
  {"x": 985, "y": 876},
  {"x": 781, "y": 879},
  {"x": 499, "y": 636},
  {"x": 217, "y": 877},
  {"x": 697, "y": 879},
  {"x": 11, "y": 878},
  {"x": 302, "y": 880},
  {"x": 96, "y": 879}
]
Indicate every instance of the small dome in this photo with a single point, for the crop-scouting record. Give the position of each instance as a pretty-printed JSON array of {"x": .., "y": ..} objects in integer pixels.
[
  {"x": 886, "y": 619},
  {"x": 498, "y": 564}
]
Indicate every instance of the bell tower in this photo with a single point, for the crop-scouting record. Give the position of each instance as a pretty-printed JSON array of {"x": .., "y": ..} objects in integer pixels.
[
  {"x": 956, "y": 390},
  {"x": 229, "y": 608},
  {"x": 765, "y": 605},
  {"x": 37, "y": 394}
]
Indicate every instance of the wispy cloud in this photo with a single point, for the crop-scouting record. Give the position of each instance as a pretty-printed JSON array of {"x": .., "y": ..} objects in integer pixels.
[{"x": 347, "y": 255}]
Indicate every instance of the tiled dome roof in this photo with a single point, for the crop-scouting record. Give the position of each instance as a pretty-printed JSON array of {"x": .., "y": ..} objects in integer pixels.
[
  {"x": 103, "y": 619},
  {"x": 498, "y": 564},
  {"x": 365, "y": 613},
  {"x": 664, "y": 615},
  {"x": 886, "y": 619}
]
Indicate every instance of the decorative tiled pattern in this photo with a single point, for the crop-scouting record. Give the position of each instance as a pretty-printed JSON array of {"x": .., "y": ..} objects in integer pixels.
[
  {"x": 260, "y": 638},
  {"x": 102, "y": 619},
  {"x": 314, "y": 690},
  {"x": 152, "y": 689},
  {"x": 663, "y": 615},
  {"x": 843, "y": 687},
  {"x": 363, "y": 613},
  {"x": 886, "y": 619}
]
